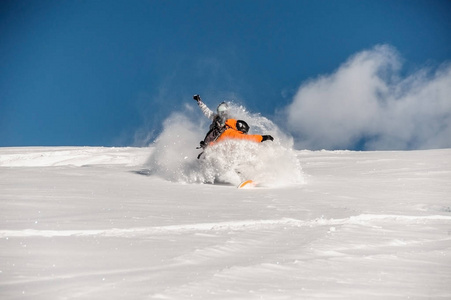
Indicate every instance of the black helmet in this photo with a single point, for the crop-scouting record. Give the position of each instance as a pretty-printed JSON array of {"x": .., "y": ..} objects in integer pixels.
[{"x": 242, "y": 126}]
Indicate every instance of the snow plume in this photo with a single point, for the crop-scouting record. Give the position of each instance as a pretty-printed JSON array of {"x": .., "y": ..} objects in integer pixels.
[
  {"x": 367, "y": 104},
  {"x": 269, "y": 163}
]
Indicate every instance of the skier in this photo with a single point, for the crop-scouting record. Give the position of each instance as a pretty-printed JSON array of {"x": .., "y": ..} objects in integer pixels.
[
  {"x": 223, "y": 128},
  {"x": 218, "y": 120}
]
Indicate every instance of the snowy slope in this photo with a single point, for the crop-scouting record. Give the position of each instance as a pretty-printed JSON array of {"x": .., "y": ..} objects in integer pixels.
[{"x": 95, "y": 223}]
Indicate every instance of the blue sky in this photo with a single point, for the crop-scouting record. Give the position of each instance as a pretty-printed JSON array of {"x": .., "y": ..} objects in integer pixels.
[{"x": 95, "y": 73}]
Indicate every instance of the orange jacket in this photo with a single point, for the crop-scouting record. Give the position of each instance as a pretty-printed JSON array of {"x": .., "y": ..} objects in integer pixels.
[{"x": 232, "y": 133}]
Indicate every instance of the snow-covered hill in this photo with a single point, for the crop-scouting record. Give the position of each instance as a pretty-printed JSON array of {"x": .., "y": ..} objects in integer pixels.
[{"x": 96, "y": 223}]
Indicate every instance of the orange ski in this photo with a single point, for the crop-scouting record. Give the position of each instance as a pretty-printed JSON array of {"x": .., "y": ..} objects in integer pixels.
[{"x": 247, "y": 184}]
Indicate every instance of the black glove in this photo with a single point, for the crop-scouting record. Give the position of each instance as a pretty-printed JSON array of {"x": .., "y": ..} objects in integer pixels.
[
  {"x": 267, "y": 137},
  {"x": 196, "y": 97}
]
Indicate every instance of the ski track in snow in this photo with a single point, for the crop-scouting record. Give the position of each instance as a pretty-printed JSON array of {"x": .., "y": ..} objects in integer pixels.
[{"x": 364, "y": 220}]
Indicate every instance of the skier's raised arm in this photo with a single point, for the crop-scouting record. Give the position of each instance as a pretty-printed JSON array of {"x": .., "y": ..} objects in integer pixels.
[{"x": 204, "y": 108}]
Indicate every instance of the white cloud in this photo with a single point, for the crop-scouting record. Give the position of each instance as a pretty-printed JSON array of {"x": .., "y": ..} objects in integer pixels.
[{"x": 367, "y": 101}]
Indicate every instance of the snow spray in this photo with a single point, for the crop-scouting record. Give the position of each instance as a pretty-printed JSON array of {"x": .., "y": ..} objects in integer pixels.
[{"x": 270, "y": 163}]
